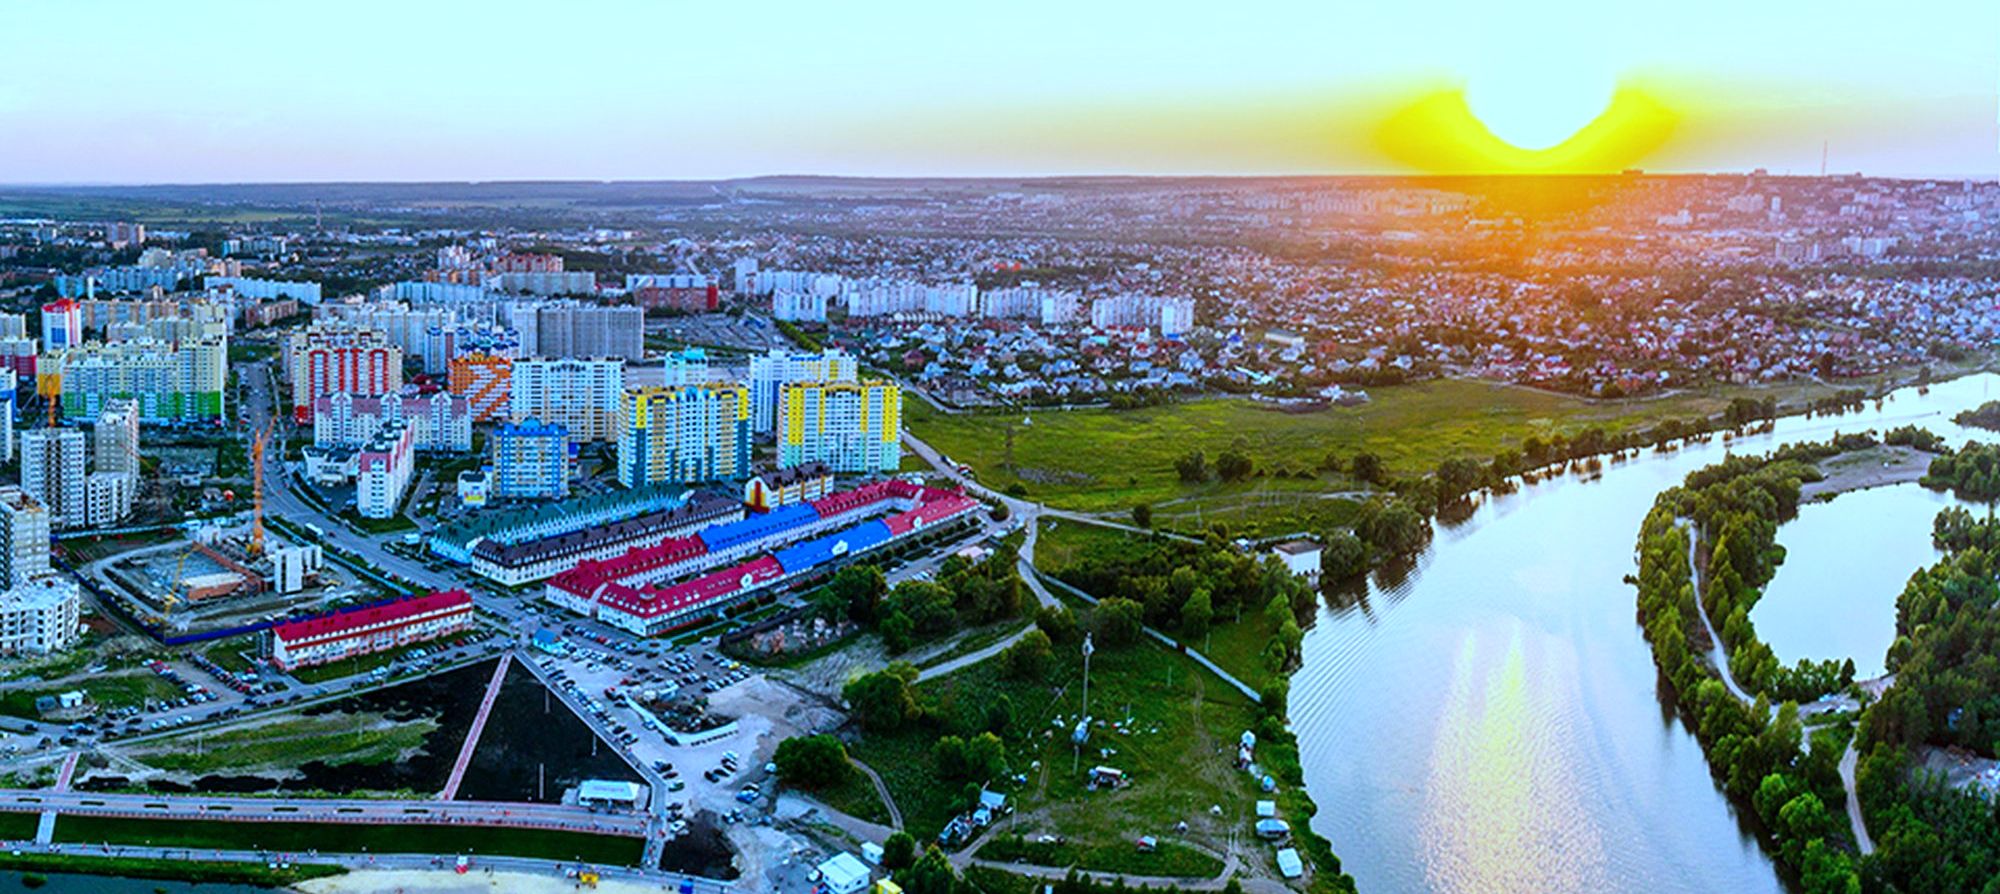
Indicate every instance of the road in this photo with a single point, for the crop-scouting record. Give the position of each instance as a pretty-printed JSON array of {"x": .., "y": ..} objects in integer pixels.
[{"x": 550, "y": 817}]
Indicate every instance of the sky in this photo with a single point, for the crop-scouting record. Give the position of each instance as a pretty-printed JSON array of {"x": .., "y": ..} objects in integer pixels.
[{"x": 94, "y": 91}]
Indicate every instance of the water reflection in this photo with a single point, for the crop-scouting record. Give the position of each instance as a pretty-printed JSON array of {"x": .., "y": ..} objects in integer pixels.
[{"x": 1488, "y": 718}]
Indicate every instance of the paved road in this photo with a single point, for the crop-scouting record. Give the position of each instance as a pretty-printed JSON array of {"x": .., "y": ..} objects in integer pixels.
[{"x": 552, "y": 817}]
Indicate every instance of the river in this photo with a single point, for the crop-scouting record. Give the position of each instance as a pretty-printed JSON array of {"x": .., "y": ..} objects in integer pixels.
[{"x": 1491, "y": 721}]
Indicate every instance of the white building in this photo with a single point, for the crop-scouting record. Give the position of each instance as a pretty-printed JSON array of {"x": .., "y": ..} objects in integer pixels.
[
  {"x": 1301, "y": 557},
  {"x": 804, "y": 307},
  {"x": 382, "y": 470},
  {"x": 443, "y": 421},
  {"x": 52, "y": 472},
  {"x": 771, "y": 372},
  {"x": 117, "y": 437},
  {"x": 39, "y": 616},
  {"x": 292, "y": 566},
  {"x": 108, "y": 498},
  {"x": 265, "y": 289},
  {"x": 1171, "y": 317},
  {"x": 580, "y": 395},
  {"x": 24, "y": 537}
]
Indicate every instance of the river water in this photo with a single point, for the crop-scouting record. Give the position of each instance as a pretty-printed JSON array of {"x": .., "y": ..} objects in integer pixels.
[{"x": 1491, "y": 721}]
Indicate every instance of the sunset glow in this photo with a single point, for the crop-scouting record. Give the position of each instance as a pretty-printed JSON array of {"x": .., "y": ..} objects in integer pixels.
[{"x": 1443, "y": 132}]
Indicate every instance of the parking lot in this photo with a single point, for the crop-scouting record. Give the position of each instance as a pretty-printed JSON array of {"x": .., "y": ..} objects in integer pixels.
[{"x": 723, "y": 771}]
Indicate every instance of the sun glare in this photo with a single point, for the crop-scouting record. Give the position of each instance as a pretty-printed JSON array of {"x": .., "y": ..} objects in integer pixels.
[{"x": 1537, "y": 104}]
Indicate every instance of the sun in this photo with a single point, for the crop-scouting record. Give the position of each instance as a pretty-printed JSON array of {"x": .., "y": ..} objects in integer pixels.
[{"x": 1538, "y": 103}]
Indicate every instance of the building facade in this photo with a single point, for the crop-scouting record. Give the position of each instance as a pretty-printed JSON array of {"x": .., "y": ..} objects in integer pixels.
[
  {"x": 169, "y": 381},
  {"x": 684, "y": 434},
  {"x": 24, "y": 536},
  {"x": 369, "y": 628},
  {"x": 531, "y": 461},
  {"x": 40, "y": 616},
  {"x": 383, "y": 470},
  {"x": 849, "y": 426},
  {"x": 485, "y": 381},
  {"x": 52, "y": 472},
  {"x": 579, "y": 395},
  {"x": 772, "y": 371}
]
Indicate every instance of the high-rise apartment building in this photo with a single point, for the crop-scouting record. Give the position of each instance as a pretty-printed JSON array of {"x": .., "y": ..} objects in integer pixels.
[
  {"x": 53, "y": 473},
  {"x": 485, "y": 381},
  {"x": 771, "y": 372},
  {"x": 62, "y": 325},
  {"x": 684, "y": 434},
  {"x": 168, "y": 381},
  {"x": 24, "y": 536},
  {"x": 382, "y": 470},
  {"x": 116, "y": 437},
  {"x": 325, "y": 360},
  {"x": 577, "y": 394},
  {"x": 531, "y": 461},
  {"x": 850, "y": 426}
]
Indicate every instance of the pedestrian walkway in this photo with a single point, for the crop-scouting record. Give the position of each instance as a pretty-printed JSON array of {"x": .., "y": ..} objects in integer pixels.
[
  {"x": 45, "y": 830},
  {"x": 478, "y": 726}
]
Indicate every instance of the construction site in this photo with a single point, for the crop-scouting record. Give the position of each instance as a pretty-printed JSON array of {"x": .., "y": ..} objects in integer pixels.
[{"x": 223, "y": 573}]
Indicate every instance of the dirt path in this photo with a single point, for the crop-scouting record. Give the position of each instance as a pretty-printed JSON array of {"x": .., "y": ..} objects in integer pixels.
[
  {"x": 882, "y": 789},
  {"x": 1861, "y": 839}
]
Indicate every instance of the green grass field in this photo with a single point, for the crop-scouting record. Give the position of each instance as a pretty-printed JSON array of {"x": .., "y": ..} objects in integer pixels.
[
  {"x": 108, "y": 691},
  {"x": 1169, "y": 859},
  {"x": 1108, "y": 460},
  {"x": 856, "y": 797},
  {"x": 352, "y": 838},
  {"x": 1235, "y": 643},
  {"x": 17, "y": 826},
  {"x": 1182, "y": 722},
  {"x": 334, "y": 738}
]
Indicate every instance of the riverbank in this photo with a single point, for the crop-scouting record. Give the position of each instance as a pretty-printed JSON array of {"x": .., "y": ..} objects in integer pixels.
[{"x": 1863, "y": 469}]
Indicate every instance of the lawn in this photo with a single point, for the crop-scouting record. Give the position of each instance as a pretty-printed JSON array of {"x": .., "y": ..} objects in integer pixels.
[
  {"x": 395, "y": 524},
  {"x": 359, "y": 664},
  {"x": 108, "y": 691},
  {"x": 856, "y": 797},
  {"x": 1181, "y": 721},
  {"x": 1109, "y": 460},
  {"x": 333, "y": 738},
  {"x": 1237, "y": 644},
  {"x": 344, "y": 838},
  {"x": 1169, "y": 859},
  {"x": 18, "y": 826},
  {"x": 229, "y": 653}
]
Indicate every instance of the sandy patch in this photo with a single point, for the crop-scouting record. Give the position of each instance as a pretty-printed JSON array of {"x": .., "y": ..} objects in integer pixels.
[{"x": 412, "y": 881}]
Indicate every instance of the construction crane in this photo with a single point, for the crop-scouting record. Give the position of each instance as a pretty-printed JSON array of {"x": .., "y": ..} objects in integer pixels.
[{"x": 257, "y": 491}]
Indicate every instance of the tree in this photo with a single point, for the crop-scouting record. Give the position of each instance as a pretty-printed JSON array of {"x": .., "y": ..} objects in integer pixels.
[
  {"x": 1366, "y": 468},
  {"x": 882, "y": 701},
  {"x": 931, "y": 874},
  {"x": 899, "y": 850},
  {"x": 1118, "y": 622},
  {"x": 1233, "y": 465},
  {"x": 1058, "y": 622},
  {"x": 1030, "y": 657},
  {"x": 811, "y": 762},
  {"x": 1392, "y": 527},
  {"x": 1343, "y": 556},
  {"x": 1196, "y": 614},
  {"x": 860, "y": 589},
  {"x": 1142, "y": 515},
  {"x": 985, "y": 758},
  {"x": 1192, "y": 467}
]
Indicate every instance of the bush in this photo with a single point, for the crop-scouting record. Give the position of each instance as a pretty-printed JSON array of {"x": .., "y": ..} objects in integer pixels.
[{"x": 812, "y": 762}]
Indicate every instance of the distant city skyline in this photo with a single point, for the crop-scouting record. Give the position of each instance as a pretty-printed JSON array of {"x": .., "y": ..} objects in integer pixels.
[{"x": 211, "y": 92}]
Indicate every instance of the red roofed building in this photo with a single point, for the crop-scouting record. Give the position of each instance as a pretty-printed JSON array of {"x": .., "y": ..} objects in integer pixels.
[{"x": 369, "y": 628}]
